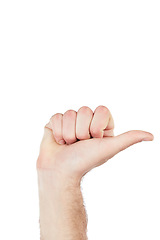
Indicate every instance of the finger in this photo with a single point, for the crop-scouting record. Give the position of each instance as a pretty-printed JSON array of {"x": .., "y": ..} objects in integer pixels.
[
  {"x": 56, "y": 125},
  {"x": 69, "y": 126},
  {"x": 102, "y": 120},
  {"x": 109, "y": 130},
  {"x": 84, "y": 117}
]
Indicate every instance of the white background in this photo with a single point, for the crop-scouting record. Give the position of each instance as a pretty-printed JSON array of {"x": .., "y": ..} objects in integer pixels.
[{"x": 60, "y": 55}]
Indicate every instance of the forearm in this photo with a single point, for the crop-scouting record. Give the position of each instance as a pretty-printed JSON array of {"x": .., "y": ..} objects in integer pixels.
[{"x": 62, "y": 213}]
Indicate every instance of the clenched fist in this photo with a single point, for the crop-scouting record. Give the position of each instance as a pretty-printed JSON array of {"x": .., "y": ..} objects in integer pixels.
[{"x": 75, "y": 142}]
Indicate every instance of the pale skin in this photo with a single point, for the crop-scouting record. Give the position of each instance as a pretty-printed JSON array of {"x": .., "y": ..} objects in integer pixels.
[{"x": 74, "y": 143}]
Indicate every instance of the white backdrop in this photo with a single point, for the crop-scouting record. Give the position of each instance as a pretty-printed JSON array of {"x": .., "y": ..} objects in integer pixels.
[{"x": 60, "y": 55}]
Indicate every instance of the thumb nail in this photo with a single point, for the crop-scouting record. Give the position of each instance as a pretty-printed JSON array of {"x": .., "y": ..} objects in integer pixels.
[{"x": 149, "y": 138}]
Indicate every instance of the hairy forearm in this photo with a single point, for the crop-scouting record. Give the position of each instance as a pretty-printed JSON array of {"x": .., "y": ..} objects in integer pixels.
[{"x": 62, "y": 213}]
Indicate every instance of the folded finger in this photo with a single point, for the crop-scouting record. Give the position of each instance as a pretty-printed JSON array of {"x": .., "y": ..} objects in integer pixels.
[{"x": 102, "y": 122}]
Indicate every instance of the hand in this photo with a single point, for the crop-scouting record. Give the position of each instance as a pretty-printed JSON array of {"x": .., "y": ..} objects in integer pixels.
[{"x": 87, "y": 141}]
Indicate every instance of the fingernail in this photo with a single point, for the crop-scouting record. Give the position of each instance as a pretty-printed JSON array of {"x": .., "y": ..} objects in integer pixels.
[
  {"x": 149, "y": 138},
  {"x": 61, "y": 142}
]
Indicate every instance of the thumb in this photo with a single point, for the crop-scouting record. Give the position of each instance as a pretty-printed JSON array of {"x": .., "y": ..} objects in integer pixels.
[
  {"x": 105, "y": 148},
  {"x": 125, "y": 140},
  {"x": 129, "y": 138}
]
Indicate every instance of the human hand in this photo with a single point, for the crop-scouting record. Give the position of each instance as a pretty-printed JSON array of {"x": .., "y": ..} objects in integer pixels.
[{"x": 88, "y": 141}]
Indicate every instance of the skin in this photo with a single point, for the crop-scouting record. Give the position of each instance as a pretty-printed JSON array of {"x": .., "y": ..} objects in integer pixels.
[{"x": 74, "y": 143}]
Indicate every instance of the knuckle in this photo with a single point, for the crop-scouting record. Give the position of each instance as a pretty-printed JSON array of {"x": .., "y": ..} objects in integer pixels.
[
  {"x": 85, "y": 109},
  {"x": 70, "y": 113},
  {"x": 56, "y": 116},
  {"x": 103, "y": 108}
]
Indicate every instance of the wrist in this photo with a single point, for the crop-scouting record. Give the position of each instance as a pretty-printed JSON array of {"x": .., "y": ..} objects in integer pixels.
[
  {"x": 55, "y": 180},
  {"x": 59, "y": 198}
]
